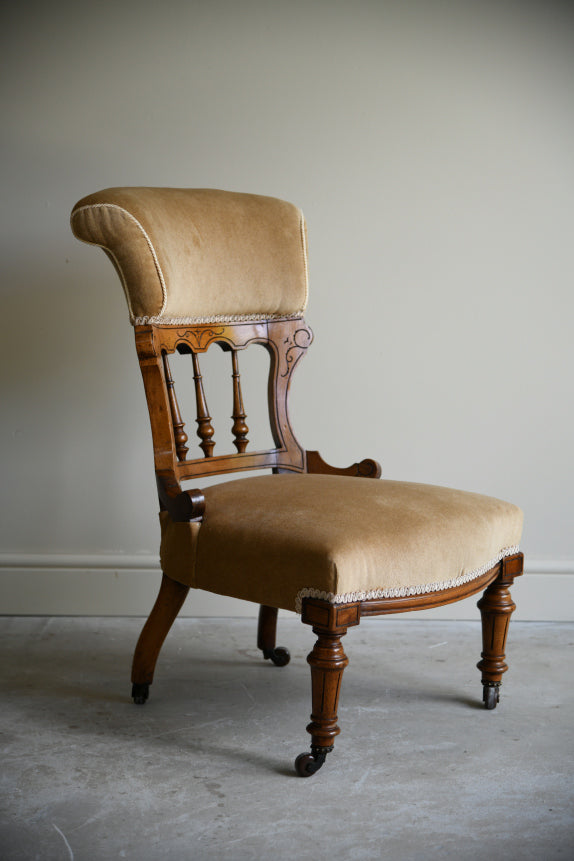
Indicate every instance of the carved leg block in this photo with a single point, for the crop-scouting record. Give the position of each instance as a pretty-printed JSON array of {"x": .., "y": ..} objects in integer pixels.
[
  {"x": 266, "y": 637},
  {"x": 168, "y": 604},
  {"x": 496, "y": 607},
  {"x": 327, "y": 661}
]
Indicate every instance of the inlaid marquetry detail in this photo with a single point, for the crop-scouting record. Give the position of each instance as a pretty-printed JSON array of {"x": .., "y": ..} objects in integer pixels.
[
  {"x": 204, "y": 427},
  {"x": 178, "y": 423},
  {"x": 295, "y": 344},
  {"x": 199, "y": 338},
  {"x": 239, "y": 429}
]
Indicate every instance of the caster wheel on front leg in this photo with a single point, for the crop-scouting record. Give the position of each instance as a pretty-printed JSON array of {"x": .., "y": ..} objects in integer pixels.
[
  {"x": 279, "y": 656},
  {"x": 140, "y": 693},
  {"x": 491, "y": 696},
  {"x": 307, "y": 764}
]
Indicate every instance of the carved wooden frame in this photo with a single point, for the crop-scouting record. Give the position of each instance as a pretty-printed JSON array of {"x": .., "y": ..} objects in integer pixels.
[
  {"x": 286, "y": 341},
  {"x": 328, "y": 659}
]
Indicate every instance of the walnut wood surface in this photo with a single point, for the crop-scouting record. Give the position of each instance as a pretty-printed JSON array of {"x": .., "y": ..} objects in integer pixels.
[
  {"x": 239, "y": 428},
  {"x": 366, "y": 468},
  {"x": 327, "y": 661},
  {"x": 267, "y": 628},
  {"x": 403, "y": 604},
  {"x": 182, "y": 505},
  {"x": 168, "y": 604},
  {"x": 204, "y": 427},
  {"x": 176, "y": 419},
  {"x": 285, "y": 340},
  {"x": 496, "y": 607},
  {"x": 266, "y": 637},
  {"x": 330, "y": 623}
]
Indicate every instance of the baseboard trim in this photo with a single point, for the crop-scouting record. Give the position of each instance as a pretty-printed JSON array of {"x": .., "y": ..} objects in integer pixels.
[
  {"x": 122, "y": 585},
  {"x": 78, "y": 562}
]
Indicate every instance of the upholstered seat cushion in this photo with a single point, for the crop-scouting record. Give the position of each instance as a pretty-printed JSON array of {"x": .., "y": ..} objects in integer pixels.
[{"x": 275, "y": 539}]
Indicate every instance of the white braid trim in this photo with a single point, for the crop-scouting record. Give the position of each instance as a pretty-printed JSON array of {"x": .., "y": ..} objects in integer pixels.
[
  {"x": 217, "y": 318},
  {"x": 403, "y": 591},
  {"x": 305, "y": 257}
]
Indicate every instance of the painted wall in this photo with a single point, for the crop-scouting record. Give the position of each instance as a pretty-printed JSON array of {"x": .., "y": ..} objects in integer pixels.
[{"x": 430, "y": 145}]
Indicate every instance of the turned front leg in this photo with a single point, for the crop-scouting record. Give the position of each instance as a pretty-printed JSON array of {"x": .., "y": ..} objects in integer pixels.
[
  {"x": 496, "y": 607},
  {"x": 327, "y": 661}
]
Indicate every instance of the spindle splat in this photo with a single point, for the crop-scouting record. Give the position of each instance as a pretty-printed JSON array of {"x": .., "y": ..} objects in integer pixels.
[
  {"x": 176, "y": 419},
  {"x": 204, "y": 427},
  {"x": 239, "y": 429}
]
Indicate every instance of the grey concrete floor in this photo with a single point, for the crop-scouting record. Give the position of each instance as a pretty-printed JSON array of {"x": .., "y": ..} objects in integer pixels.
[{"x": 204, "y": 769}]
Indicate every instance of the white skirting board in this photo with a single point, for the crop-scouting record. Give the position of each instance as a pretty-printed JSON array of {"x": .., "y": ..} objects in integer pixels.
[{"x": 103, "y": 585}]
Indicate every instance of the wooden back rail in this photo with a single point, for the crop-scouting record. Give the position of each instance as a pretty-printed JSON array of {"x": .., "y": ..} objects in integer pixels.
[{"x": 285, "y": 340}]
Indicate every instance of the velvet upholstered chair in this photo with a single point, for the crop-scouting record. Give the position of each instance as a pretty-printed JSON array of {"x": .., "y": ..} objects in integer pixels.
[{"x": 200, "y": 268}]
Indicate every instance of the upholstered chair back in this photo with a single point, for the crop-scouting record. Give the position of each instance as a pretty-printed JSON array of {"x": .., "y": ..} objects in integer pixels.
[{"x": 192, "y": 256}]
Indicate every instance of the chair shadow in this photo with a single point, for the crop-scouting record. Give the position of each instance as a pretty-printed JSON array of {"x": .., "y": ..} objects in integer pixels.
[{"x": 66, "y": 680}]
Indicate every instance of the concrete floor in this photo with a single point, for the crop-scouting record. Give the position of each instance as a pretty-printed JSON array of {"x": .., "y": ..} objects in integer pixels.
[{"x": 204, "y": 769}]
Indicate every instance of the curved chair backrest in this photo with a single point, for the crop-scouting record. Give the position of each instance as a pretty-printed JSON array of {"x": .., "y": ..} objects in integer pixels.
[
  {"x": 199, "y": 255},
  {"x": 199, "y": 267}
]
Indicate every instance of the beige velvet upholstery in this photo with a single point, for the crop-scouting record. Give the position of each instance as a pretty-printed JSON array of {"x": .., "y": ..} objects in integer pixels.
[
  {"x": 276, "y": 539},
  {"x": 199, "y": 255}
]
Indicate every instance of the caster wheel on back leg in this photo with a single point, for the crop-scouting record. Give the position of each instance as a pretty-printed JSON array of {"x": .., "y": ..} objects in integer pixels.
[
  {"x": 140, "y": 693},
  {"x": 491, "y": 696},
  {"x": 279, "y": 656}
]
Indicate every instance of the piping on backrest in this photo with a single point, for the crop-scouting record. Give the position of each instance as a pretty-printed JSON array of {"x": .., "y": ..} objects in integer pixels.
[
  {"x": 156, "y": 277},
  {"x": 113, "y": 257}
]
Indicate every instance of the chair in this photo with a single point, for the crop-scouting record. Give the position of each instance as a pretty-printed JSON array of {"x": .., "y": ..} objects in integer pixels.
[{"x": 204, "y": 267}]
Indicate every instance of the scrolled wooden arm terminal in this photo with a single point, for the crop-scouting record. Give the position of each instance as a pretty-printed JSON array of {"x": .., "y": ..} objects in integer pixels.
[{"x": 201, "y": 268}]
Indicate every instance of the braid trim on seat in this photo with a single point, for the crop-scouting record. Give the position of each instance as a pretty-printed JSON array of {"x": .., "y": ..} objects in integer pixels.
[{"x": 403, "y": 591}]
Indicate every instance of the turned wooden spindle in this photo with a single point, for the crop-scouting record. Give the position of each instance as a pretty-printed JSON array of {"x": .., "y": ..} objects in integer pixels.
[
  {"x": 204, "y": 427},
  {"x": 177, "y": 422},
  {"x": 240, "y": 429}
]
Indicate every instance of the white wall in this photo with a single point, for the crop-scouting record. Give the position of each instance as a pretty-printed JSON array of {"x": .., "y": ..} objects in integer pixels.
[{"x": 430, "y": 145}]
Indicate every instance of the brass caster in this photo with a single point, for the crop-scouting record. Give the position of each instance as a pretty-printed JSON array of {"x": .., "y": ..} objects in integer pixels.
[
  {"x": 307, "y": 764},
  {"x": 140, "y": 693},
  {"x": 279, "y": 656},
  {"x": 491, "y": 696}
]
